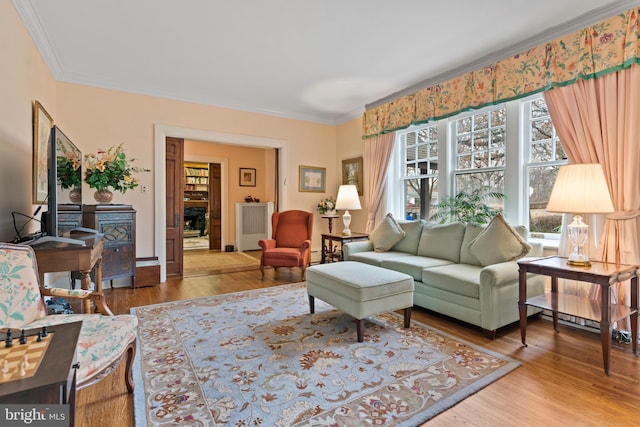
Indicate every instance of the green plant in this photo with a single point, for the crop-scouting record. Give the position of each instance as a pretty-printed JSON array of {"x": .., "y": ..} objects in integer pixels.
[
  {"x": 68, "y": 170},
  {"x": 111, "y": 169},
  {"x": 467, "y": 207}
]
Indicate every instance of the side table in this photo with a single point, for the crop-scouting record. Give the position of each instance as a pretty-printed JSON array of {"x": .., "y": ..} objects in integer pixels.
[
  {"x": 330, "y": 251},
  {"x": 330, "y": 218},
  {"x": 603, "y": 274}
]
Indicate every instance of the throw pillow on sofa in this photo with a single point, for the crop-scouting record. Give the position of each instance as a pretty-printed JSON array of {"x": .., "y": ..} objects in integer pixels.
[
  {"x": 386, "y": 234},
  {"x": 498, "y": 242},
  {"x": 413, "y": 231}
]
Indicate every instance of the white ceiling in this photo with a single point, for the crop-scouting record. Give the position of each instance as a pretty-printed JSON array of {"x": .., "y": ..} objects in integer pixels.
[{"x": 317, "y": 60}]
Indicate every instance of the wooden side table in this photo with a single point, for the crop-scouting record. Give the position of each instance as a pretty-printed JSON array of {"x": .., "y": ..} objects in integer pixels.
[
  {"x": 330, "y": 218},
  {"x": 330, "y": 251},
  {"x": 603, "y": 274}
]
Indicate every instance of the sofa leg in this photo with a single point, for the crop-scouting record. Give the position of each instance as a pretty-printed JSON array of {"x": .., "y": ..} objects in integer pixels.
[
  {"x": 360, "y": 329},
  {"x": 312, "y": 304},
  {"x": 489, "y": 334},
  {"x": 407, "y": 317}
]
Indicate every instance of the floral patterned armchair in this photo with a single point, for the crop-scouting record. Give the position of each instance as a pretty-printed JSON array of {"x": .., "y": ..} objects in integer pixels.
[{"x": 103, "y": 340}]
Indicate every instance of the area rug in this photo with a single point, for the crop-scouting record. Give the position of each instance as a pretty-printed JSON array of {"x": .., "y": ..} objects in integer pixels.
[
  {"x": 258, "y": 358},
  {"x": 204, "y": 262}
]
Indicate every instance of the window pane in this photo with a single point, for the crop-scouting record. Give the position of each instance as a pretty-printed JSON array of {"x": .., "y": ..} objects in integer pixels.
[
  {"x": 541, "y": 181},
  {"x": 488, "y": 182},
  {"x": 464, "y": 125},
  {"x": 419, "y": 197},
  {"x": 481, "y": 141}
]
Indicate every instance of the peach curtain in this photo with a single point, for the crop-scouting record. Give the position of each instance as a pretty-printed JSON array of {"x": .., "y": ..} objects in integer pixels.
[
  {"x": 377, "y": 154},
  {"x": 597, "y": 121}
]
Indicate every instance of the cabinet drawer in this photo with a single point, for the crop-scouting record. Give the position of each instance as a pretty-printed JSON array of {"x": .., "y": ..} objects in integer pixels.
[{"x": 118, "y": 262}]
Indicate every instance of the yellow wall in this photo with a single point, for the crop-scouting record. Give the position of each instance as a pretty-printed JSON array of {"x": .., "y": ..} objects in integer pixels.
[{"x": 96, "y": 118}]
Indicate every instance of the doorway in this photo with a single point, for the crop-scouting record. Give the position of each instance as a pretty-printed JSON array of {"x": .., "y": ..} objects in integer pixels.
[
  {"x": 202, "y": 218},
  {"x": 162, "y": 132}
]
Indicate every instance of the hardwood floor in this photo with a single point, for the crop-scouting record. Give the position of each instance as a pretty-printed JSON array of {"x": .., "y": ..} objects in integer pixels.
[{"x": 560, "y": 381}]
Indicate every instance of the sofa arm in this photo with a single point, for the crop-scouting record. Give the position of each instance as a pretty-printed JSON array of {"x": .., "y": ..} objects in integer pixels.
[
  {"x": 537, "y": 250},
  {"x": 499, "y": 274},
  {"x": 351, "y": 248}
]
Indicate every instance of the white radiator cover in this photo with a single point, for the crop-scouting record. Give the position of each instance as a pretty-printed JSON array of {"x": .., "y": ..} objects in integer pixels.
[{"x": 253, "y": 223}]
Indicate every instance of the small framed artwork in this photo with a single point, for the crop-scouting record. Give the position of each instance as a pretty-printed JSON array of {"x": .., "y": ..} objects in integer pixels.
[
  {"x": 42, "y": 125},
  {"x": 352, "y": 173},
  {"x": 312, "y": 179},
  {"x": 247, "y": 177}
]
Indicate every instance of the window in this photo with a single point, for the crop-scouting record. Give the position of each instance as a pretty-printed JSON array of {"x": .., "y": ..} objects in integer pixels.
[
  {"x": 544, "y": 155},
  {"x": 510, "y": 148},
  {"x": 480, "y": 149},
  {"x": 419, "y": 171}
]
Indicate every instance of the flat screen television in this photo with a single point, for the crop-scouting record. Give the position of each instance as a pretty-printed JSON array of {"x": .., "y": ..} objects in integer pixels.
[{"x": 64, "y": 176}]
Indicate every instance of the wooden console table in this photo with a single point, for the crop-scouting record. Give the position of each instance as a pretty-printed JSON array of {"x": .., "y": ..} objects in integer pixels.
[
  {"x": 58, "y": 257},
  {"x": 330, "y": 252},
  {"x": 601, "y": 273}
]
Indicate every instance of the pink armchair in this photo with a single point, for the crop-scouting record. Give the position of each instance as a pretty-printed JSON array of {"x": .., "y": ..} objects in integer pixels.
[
  {"x": 104, "y": 340},
  {"x": 290, "y": 243}
]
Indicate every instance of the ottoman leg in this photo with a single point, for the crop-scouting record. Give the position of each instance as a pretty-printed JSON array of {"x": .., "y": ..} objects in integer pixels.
[
  {"x": 360, "y": 329},
  {"x": 407, "y": 317},
  {"x": 312, "y": 304}
]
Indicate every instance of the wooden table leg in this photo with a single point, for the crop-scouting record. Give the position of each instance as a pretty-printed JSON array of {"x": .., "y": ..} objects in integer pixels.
[
  {"x": 634, "y": 315},
  {"x": 101, "y": 304},
  {"x": 554, "y": 291},
  {"x": 522, "y": 305},
  {"x": 85, "y": 284},
  {"x": 605, "y": 327}
]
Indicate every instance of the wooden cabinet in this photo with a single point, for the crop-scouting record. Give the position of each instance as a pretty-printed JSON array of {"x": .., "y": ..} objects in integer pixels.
[{"x": 118, "y": 224}]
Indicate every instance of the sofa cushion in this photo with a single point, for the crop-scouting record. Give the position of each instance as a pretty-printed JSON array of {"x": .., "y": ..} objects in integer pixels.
[
  {"x": 442, "y": 241},
  {"x": 386, "y": 234},
  {"x": 412, "y": 264},
  {"x": 375, "y": 258},
  {"x": 462, "y": 279},
  {"x": 498, "y": 242},
  {"x": 411, "y": 239}
]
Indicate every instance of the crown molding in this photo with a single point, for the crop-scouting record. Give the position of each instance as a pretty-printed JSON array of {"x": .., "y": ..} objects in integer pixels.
[
  {"x": 29, "y": 17},
  {"x": 546, "y": 36}
]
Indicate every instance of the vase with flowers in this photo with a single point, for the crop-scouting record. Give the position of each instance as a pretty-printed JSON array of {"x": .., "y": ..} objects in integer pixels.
[
  {"x": 110, "y": 169},
  {"x": 327, "y": 206},
  {"x": 68, "y": 171}
]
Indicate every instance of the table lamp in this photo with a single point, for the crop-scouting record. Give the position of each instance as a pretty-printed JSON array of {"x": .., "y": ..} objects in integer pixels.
[
  {"x": 580, "y": 189},
  {"x": 347, "y": 199}
]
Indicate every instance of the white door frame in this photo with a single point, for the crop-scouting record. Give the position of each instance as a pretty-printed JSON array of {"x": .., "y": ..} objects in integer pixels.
[{"x": 161, "y": 132}]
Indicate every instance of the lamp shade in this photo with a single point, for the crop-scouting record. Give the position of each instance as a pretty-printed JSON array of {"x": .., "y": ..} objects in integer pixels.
[
  {"x": 580, "y": 188},
  {"x": 348, "y": 198}
]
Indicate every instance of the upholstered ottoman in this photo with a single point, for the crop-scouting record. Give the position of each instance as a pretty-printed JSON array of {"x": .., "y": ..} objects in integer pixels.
[{"x": 360, "y": 290}]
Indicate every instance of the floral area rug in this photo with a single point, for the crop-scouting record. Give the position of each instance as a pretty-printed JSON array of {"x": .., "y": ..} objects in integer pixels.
[{"x": 258, "y": 358}]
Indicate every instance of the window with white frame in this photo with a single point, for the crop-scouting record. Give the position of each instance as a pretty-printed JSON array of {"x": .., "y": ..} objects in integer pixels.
[
  {"x": 510, "y": 148},
  {"x": 419, "y": 171},
  {"x": 544, "y": 156},
  {"x": 480, "y": 153}
]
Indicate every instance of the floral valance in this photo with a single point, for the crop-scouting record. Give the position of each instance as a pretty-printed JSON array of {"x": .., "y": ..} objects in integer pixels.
[{"x": 602, "y": 48}]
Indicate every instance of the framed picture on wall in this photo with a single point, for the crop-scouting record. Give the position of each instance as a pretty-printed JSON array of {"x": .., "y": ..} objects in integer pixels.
[
  {"x": 42, "y": 125},
  {"x": 312, "y": 179},
  {"x": 352, "y": 173},
  {"x": 247, "y": 177}
]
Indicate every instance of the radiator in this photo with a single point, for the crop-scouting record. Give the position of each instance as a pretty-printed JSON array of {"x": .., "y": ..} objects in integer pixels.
[{"x": 253, "y": 223}]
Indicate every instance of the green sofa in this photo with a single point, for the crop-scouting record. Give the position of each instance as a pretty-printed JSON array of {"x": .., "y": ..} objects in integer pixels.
[{"x": 465, "y": 271}]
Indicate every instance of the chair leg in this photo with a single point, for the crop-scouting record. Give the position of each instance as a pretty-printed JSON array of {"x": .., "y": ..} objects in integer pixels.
[
  {"x": 262, "y": 271},
  {"x": 128, "y": 368},
  {"x": 304, "y": 273}
]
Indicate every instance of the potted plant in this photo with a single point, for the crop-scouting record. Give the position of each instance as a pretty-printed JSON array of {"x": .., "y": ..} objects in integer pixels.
[
  {"x": 108, "y": 170},
  {"x": 467, "y": 207},
  {"x": 69, "y": 175}
]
